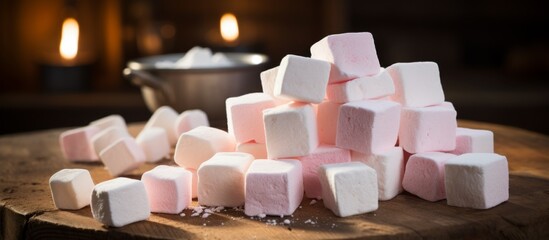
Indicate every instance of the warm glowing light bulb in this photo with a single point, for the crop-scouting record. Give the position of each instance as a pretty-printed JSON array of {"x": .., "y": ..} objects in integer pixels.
[
  {"x": 69, "y": 39},
  {"x": 229, "y": 27}
]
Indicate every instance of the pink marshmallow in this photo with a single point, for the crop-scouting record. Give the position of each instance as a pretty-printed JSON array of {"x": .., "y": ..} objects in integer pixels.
[
  {"x": 369, "y": 126},
  {"x": 194, "y": 182},
  {"x": 417, "y": 84},
  {"x": 200, "y": 144},
  {"x": 424, "y": 176},
  {"x": 389, "y": 167},
  {"x": 324, "y": 154},
  {"x": 273, "y": 187},
  {"x": 110, "y": 121},
  {"x": 473, "y": 141},
  {"x": 122, "y": 156},
  {"x": 258, "y": 150},
  {"x": 164, "y": 117},
  {"x": 76, "y": 144},
  {"x": 189, "y": 120},
  {"x": 352, "y": 55},
  {"x": 428, "y": 129},
  {"x": 245, "y": 116},
  {"x": 367, "y": 87},
  {"x": 477, "y": 180},
  {"x": 169, "y": 189},
  {"x": 327, "y": 115}
]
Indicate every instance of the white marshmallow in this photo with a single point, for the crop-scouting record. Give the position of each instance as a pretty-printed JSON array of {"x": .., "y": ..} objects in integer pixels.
[
  {"x": 196, "y": 57},
  {"x": 189, "y": 120},
  {"x": 473, "y": 141},
  {"x": 194, "y": 182},
  {"x": 477, "y": 180},
  {"x": 417, "y": 84},
  {"x": 290, "y": 130},
  {"x": 169, "y": 189},
  {"x": 221, "y": 179},
  {"x": 221, "y": 60},
  {"x": 258, "y": 150},
  {"x": 71, "y": 188},
  {"x": 155, "y": 144},
  {"x": 389, "y": 167},
  {"x": 107, "y": 136},
  {"x": 110, "y": 121},
  {"x": 349, "y": 188},
  {"x": 302, "y": 79},
  {"x": 164, "y": 117},
  {"x": 200, "y": 144},
  {"x": 120, "y": 201},
  {"x": 268, "y": 78},
  {"x": 122, "y": 156},
  {"x": 273, "y": 187},
  {"x": 367, "y": 87}
]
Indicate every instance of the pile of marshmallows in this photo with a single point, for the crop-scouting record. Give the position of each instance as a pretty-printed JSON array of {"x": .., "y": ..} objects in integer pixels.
[{"x": 334, "y": 126}]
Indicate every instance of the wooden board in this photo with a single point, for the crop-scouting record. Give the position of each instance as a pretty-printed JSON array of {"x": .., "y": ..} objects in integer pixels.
[{"x": 27, "y": 211}]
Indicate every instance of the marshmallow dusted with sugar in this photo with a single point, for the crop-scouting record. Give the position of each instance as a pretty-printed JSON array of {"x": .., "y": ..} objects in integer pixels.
[
  {"x": 71, "y": 188},
  {"x": 107, "y": 137},
  {"x": 290, "y": 130},
  {"x": 477, "y": 180},
  {"x": 169, "y": 189},
  {"x": 164, "y": 117},
  {"x": 428, "y": 129},
  {"x": 389, "y": 167},
  {"x": 302, "y": 79},
  {"x": 200, "y": 144},
  {"x": 189, "y": 120},
  {"x": 367, "y": 87},
  {"x": 119, "y": 202},
  {"x": 351, "y": 55},
  {"x": 114, "y": 120},
  {"x": 349, "y": 188},
  {"x": 155, "y": 144},
  {"x": 245, "y": 116},
  {"x": 76, "y": 144},
  {"x": 273, "y": 187},
  {"x": 424, "y": 175},
  {"x": 417, "y": 84},
  {"x": 473, "y": 141},
  {"x": 368, "y": 126},
  {"x": 221, "y": 179},
  {"x": 123, "y": 156},
  {"x": 324, "y": 154}
]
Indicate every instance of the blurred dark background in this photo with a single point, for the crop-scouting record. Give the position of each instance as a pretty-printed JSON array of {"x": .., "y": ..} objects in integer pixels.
[{"x": 493, "y": 55}]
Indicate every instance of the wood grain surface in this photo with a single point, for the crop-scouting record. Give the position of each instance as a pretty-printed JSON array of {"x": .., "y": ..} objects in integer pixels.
[{"x": 26, "y": 210}]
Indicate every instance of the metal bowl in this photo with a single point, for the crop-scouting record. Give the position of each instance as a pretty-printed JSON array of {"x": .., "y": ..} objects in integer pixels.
[{"x": 196, "y": 88}]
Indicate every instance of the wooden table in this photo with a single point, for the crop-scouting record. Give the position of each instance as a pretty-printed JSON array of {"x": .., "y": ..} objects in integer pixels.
[{"x": 26, "y": 209}]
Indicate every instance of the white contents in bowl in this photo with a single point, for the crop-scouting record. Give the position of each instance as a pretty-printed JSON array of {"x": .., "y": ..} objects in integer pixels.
[{"x": 198, "y": 57}]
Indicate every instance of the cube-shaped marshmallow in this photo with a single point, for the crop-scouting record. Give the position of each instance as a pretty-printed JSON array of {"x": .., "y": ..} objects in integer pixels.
[
  {"x": 477, "y": 180},
  {"x": 245, "y": 116},
  {"x": 164, "y": 117},
  {"x": 290, "y": 130},
  {"x": 327, "y": 116},
  {"x": 324, "y": 154},
  {"x": 367, "y": 87},
  {"x": 122, "y": 156},
  {"x": 114, "y": 120},
  {"x": 389, "y": 167},
  {"x": 155, "y": 144},
  {"x": 108, "y": 136},
  {"x": 189, "y": 120},
  {"x": 417, "y": 84},
  {"x": 71, "y": 188},
  {"x": 352, "y": 55},
  {"x": 76, "y": 144},
  {"x": 268, "y": 78},
  {"x": 194, "y": 182},
  {"x": 424, "y": 176},
  {"x": 200, "y": 144},
  {"x": 169, "y": 189},
  {"x": 302, "y": 79},
  {"x": 120, "y": 201},
  {"x": 221, "y": 179},
  {"x": 273, "y": 187},
  {"x": 473, "y": 141},
  {"x": 349, "y": 188},
  {"x": 427, "y": 129},
  {"x": 258, "y": 150},
  {"x": 369, "y": 126}
]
